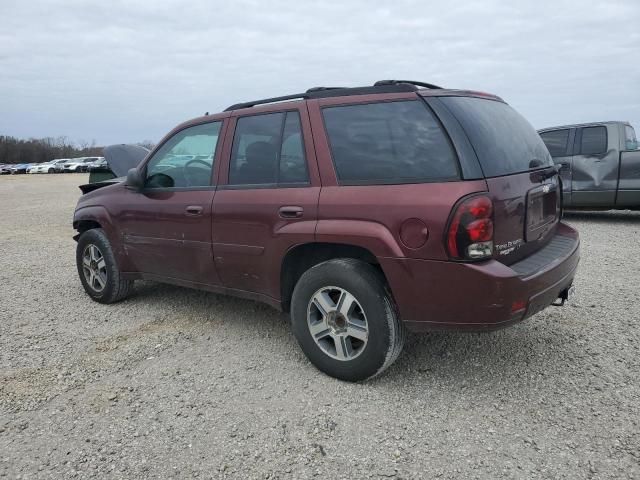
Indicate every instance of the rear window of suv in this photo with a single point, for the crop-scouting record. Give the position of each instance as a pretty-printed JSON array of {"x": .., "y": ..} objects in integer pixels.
[
  {"x": 388, "y": 143},
  {"x": 503, "y": 140}
]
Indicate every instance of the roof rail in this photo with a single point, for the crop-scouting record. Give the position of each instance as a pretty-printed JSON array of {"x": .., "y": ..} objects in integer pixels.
[
  {"x": 382, "y": 86},
  {"x": 253, "y": 103},
  {"x": 379, "y": 83},
  {"x": 322, "y": 89}
]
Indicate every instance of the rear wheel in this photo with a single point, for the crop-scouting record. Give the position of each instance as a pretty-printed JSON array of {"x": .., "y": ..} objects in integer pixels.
[
  {"x": 344, "y": 320},
  {"x": 97, "y": 268}
]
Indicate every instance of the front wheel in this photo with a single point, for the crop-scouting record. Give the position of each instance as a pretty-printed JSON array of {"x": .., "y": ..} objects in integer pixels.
[
  {"x": 344, "y": 319},
  {"x": 97, "y": 268}
]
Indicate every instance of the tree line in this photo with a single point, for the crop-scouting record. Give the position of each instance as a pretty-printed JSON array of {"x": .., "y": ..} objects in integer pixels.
[{"x": 37, "y": 150}]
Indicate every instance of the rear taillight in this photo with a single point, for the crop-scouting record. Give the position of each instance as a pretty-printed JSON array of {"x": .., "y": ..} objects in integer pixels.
[{"x": 470, "y": 233}]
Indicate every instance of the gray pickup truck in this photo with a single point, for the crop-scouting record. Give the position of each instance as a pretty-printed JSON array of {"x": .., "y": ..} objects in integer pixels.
[{"x": 599, "y": 164}]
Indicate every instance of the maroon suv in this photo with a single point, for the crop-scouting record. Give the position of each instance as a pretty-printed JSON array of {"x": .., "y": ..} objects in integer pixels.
[{"x": 361, "y": 211}]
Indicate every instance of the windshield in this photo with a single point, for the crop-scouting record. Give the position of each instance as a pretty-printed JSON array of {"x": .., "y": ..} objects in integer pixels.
[{"x": 503, "y": 140}]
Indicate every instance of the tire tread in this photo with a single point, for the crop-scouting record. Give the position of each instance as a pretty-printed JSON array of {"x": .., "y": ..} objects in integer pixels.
[
  {"x": 378, "y": 285},
  {"x": 120, "y": 288}
]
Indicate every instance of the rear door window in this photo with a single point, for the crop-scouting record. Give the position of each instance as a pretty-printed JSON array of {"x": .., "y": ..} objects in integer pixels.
[
  {"x": 503, "y": 140},
  {"x": 389, "y": 142},
  {"x": 594, "y": 140},
  {"x": 556, "y": 142},
  {"x": 268, "y": 149}
]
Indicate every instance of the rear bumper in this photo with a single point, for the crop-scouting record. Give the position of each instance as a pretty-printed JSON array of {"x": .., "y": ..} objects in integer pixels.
[{"x": 435, "y": 295}]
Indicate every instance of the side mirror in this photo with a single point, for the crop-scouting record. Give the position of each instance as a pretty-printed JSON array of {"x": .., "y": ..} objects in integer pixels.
[{"x": 134, "y": 179}]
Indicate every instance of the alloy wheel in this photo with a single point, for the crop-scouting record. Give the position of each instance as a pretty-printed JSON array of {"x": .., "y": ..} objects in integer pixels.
[
  {"x": 337, "y": 323},
  {"x": 94, "y": 267}
]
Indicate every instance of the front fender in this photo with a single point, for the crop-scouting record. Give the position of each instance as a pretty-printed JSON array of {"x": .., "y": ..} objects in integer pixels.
[
  {"x": 100, "y": 215},
  {"x": 95, "y": 213}
]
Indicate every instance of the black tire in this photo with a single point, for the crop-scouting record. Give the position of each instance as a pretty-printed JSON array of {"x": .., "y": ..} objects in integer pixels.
[
  {"x": 51, "y": 170},
  {"x": 115, "y": 288},
  {"x": 386, "y": 333}
]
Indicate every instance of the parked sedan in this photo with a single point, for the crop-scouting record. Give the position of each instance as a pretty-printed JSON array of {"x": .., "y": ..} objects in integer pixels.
[
  {"x": 5, "y": 169},
  {"x": 46, "y": 167},
  {"x": 99, "y": 163},
  {"x": 19, "y": 168},
  {"x": 79, "y": 164},
  {"x": 59, "y": 164}
]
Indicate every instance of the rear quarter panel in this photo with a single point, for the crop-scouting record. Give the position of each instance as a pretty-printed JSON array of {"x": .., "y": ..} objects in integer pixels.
[{"x": 372, "y": 216}]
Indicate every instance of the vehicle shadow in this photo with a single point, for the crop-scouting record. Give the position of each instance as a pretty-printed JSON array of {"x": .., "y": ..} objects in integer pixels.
[
  {"x": 475, "y": 355},
  {"x": 207, "y": 308},
  {"x": 540, "y": 344}
]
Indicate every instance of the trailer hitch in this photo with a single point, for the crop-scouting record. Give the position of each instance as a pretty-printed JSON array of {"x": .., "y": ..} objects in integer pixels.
[{"x": 564, "y": 296}]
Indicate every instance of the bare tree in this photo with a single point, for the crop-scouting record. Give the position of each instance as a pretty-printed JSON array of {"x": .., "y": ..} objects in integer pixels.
[
  {"x": 34, "y": 150},
  {"x": 147, "y": 144}
]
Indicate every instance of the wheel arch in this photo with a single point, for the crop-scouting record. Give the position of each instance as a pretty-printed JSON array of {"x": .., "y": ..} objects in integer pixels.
[
  {"x": 302, "y": 257},
  {"x": 97, "y": 216},
  {"x": 93, "y": 216},
  {"x": 83, "y": 225}
]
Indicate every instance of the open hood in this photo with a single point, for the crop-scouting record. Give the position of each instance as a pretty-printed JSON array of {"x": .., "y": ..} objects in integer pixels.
[{"x": 121, "y": 158}]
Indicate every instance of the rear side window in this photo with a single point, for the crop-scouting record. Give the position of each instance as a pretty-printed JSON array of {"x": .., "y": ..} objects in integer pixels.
[
  {"x": 504, "y": 141},
  {"x": 391, "y": 142},
  {"x": 556, "y": 142},
  {"x": 268, "y": 150},
  {"x": 594, "y": 140}
]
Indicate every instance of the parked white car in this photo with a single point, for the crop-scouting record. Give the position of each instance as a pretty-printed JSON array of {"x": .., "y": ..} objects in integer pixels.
[
  {"x": 100, "y": 162},
  {"x": 79, "y": 164},
  {"x": 59, "y": 164},
  {"x": 46, "y": 167}
]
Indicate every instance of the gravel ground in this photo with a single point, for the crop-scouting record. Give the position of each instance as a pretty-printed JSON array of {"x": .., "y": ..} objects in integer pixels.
[{"x": 180, "y": 383}]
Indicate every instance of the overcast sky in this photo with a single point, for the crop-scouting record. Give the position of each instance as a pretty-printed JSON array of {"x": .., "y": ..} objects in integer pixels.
[{"x": 126, "y": 71}]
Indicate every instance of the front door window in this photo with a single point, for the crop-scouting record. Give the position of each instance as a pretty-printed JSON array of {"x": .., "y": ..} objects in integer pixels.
[{"x": 185, "y": 160}]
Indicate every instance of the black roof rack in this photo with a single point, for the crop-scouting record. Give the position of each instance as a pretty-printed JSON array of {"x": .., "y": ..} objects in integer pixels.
[
  {"x": 381, "y": 86},
  {"x": 322, "y": 89},
  {"x": 410, "y": 82},
  {"x": 253, "y": 103}
]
